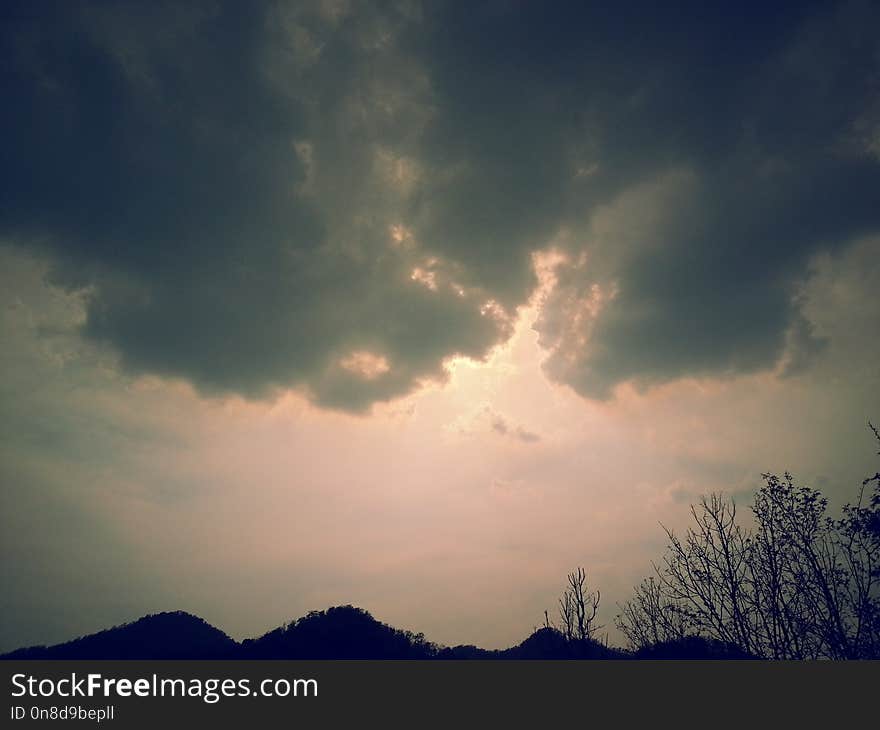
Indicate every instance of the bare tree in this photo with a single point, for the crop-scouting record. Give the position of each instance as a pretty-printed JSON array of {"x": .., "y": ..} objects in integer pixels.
[
  {"x": 578, "y": 607},
  {"x": 800, "y": 585},
  {"x": 650, "y": 617}
]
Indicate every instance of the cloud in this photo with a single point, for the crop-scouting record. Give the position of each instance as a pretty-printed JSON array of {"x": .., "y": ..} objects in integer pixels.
[
  {"x": 485, "y": 419},
  {"x": 694, "y": 267},
  {"x": 340, "y": 198},
  {"x": 503, "y": 428},
  {"x": 227, "y": 197}
]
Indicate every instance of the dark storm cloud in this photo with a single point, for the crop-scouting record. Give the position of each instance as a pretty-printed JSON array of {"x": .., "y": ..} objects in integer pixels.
[
  {"x": 740, "y": 129},
  {"x": 339, "y": 197},
  {"x": 164, "y": 155}
]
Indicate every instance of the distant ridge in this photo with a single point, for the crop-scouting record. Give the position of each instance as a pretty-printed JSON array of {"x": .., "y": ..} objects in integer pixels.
[
  {"x": 340, "y": 632},
  {"x": 545, "y": 643},
  {"x": 168, "y": 635}
]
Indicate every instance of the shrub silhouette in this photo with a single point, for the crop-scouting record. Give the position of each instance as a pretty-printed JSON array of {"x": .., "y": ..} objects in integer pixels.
[{"x": 692, "y": 647}]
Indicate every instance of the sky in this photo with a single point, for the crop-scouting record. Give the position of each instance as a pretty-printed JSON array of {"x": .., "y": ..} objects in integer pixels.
[{"x": 419, "y": 306}]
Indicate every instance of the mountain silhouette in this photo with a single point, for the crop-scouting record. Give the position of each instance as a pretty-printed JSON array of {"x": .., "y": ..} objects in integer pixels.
[
  {"x": 169, "y": 635},
  {"x": 545, "y": 643},
  {"x": 340, "y": 632}
]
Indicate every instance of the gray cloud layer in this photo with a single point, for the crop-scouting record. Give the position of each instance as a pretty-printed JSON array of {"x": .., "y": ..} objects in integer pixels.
[{"x": 338, "y": 197}]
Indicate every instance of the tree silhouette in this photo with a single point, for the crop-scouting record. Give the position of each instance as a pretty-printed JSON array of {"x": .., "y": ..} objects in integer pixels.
[
  {"x": 800, "y": 585},
  {"x": 577, "y": 609}
]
